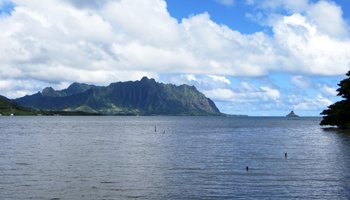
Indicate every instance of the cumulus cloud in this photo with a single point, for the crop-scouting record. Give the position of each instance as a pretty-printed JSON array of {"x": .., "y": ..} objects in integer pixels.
[
  {"x": 313, "y": 39},
  {"x": 329, "y": 90},
  {"x": 247, "y": 98},
  {"x": 311, "y": 50},
  {"x": 15, "y": 88},
  {"x": 307, "y": 103},
  {"x": 272, "y": 93},
  {"x": 57, "y": 42},
  {"x": 220, "y": 88},
  {"x": 262, "y": 97},
  {"x": 301, "y": 81},
  {"x": 220, "y": 79},
  {"x": 88, "y": 3},
  {"x": 220, "y": 94},
  {"x": 289, "y": 5},
  {"x": 327, "y": 16},
  {"x": 202, "y": 82},
  {"x": 247, "y": 92}
]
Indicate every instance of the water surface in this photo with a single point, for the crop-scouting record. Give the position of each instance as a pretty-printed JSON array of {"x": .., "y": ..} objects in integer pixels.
[{"x": 186, "y": 158}]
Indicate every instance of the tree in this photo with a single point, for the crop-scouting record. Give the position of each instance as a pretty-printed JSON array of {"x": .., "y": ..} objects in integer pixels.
[{"x": 338, "y": 114}]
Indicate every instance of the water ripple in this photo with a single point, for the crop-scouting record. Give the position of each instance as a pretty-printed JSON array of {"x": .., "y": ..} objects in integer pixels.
[{"x": 197, "y": 158}]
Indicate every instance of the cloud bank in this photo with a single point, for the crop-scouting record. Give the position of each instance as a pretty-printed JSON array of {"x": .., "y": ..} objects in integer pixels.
[{"x": 57, "y": 42}]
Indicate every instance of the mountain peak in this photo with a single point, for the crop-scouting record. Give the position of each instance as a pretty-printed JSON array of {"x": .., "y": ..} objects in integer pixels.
[
  {"x": 77, "y": 88},
  {"x": 48, "y": 91},
  {"x": 146, "y": 79},
  {"x": 75, "y": 84},
  {"x": 74, "y": 88}
]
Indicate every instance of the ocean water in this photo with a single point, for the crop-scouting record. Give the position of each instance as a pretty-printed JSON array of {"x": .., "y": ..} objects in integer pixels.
[{"x": 184, "y": 158}]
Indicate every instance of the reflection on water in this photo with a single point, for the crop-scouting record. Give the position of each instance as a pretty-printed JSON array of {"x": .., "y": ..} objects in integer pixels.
[
  {"x": 186, "y": 158},
  {"x": 342, "y": 149}
]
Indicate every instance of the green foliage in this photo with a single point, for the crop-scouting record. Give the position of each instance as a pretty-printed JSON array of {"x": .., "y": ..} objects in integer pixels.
[
  {"x": 144, "y": 97},
  {"x": 344, "y": 87},
  {"x": 338, "y": 114},
  {"x": 7, "y": 107}
]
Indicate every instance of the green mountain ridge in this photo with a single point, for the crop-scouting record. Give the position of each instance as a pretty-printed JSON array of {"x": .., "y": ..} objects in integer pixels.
[
  {"x": 144, "y": 97},
  {"x": 74, "y": 88},
  {"x": 7, "y": 107}
]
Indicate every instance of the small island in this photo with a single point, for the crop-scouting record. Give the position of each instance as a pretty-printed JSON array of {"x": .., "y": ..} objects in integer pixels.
[{"x": 292, "y": 115}]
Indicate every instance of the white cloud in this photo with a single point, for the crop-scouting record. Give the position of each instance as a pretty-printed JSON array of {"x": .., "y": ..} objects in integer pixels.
[
  {"x": 218, "y": 88},
  {"x": 203, "y": 82},
  {"x": 312, "y": 39},
  {"x": 327, "y": 16},
  {"x": 15, "y": 88},
  {"x": 301, "y": 81},
  {"x": 307, "y": 50},
  {"x": 215, "y": 87},
  {"x": 328, "y": 90},
  {"x": 259, "y": 98},
  {"x": 323, "y": 101},
  {"x": 88, "y": 3},
  {"x": 306, "y": 103},
  {"x": 246, "y": 98},
  {"x": 274, "y": 94},
  {"x": 220, "y": 94},
  {"x": 220, "y": 79},
  {"x": 246, "y": 92},
  {"x": 290, "y": 5},
  {"x": 190, "y": 77},
  {"x": 73, "y": 40}
]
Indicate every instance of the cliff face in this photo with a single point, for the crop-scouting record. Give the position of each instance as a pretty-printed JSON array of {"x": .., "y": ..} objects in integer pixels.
[{"x": 144, "y": 97}]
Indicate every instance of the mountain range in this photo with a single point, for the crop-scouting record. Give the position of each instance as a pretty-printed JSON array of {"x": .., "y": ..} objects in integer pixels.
[{"x": 144, "y": 97}]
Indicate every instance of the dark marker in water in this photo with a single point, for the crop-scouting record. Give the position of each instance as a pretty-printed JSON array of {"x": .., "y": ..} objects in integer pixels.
[
  {"x": 285, "y": 155},
  {"x": 247, "y": 168},
  {"x": 155, "y": 128}
]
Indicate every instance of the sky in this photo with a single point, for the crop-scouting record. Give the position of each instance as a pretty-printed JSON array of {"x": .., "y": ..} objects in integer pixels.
[{"x": 254, "y": 57}]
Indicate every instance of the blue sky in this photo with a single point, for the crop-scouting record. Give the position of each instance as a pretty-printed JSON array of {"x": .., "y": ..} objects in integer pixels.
[
  {"x": 252, "y": 57},
  {"x": 6, "y": 8},
  {"x": 233, "y": 15},
  {"x": 230, "y": 15}
]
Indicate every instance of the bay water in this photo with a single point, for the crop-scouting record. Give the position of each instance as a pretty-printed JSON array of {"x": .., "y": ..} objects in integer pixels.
[{"x": 172, "y": 158}]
